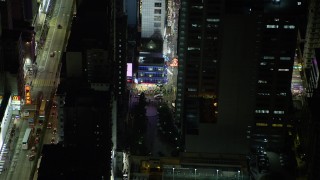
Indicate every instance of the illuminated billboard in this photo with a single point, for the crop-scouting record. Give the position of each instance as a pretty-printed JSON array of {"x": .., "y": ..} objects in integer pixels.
[
  {"x": 27, "y": 95},
  {"x": 129, "y": 69},
  {"x": 16, "y": 103},
  {"x": 174, "y": 62}
]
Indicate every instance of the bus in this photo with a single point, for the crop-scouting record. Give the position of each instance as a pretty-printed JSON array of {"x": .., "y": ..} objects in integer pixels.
[
  {"x": 26, "y": 139},
  {"x": 42, "y": 111}
]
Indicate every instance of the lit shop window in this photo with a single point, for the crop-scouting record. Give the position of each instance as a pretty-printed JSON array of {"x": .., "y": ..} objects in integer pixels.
[
  {"x": 262, "y": 111},
  {"x": 272, "y": 26}
]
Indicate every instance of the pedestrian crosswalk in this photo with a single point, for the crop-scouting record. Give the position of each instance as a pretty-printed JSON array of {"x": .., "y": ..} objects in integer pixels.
[{"x": 43, "y": 82}]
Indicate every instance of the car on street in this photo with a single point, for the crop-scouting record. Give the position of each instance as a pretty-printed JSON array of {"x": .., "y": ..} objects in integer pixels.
[
  {"x": 38, "y": 131},
  {"x": 53, "y": 139},
  {"x": 33, "y": 149},
  {"x": 36, "y": 140},
  {"x": 54, "y": 131},
  {"x": 31, "y": 157},
  {"x": 52, "y": 54},
  {"x": 49, "y": 126}
]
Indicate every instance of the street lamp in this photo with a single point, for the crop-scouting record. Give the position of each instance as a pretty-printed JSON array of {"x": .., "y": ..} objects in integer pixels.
[
  {"x": 173, "y": 173},
  {"x": 217, "y": 173},
  {"x": 195, "y": 173},
  {"x": 238, "y": 174}
]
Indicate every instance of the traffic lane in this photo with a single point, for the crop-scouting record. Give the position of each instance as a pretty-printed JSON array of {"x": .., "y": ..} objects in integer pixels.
[
  {"x": 151, "y": 132},
  {"x": 23, "y": 161}
]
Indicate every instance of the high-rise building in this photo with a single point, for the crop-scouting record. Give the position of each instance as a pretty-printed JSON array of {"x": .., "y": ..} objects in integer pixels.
[
  {"x": 313, "y": 135},
  {"x": 86, "y": 93},
  {"x": 153, "y": 14},
  {"x": 198, "y": 52},
  {"x": 312, "y": 39},
  {"x": 235, "y": 69}
]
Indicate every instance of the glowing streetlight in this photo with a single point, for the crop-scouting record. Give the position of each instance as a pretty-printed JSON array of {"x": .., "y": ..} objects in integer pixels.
[
  {"x": 173, "y": 173},
  {"x": 217, "y": 173}
]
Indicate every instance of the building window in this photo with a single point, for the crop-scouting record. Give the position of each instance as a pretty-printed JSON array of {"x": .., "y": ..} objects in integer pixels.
[
  {"x": 268, "y": 57},
  {"x": 157, "y": 11},
  {"x": 289, "y": 26},
  {"x": 278, "y": 112},
  {"x": 192, "y": 89},
  {"x": 197, "y": 7},
  {"x": 157, "y": 25},
  {"x": 262, "y": 82},
  {"x": 272, "y": 26},
  {"x": 262, "y": 111},
  {"x": 264, "y": 94},
  {"x": 213, "y": 20},
  {"x": 285, "y": 58},
  {"x": 283, "y": 69},
  {"x": 193, "y": 48},
  {"x": 157, "y": 4},
  {"x": 157, "y": 18}
]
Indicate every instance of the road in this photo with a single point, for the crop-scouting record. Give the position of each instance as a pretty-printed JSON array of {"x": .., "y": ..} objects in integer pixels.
[
  {"x": 48, "y": 75},
  {"x": 46, "y": 81}
]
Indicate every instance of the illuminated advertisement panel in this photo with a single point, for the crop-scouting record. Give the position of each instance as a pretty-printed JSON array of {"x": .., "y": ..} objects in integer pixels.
[
  {"x": 129, "y": 69},
  {"x": 174, "y": 62},
  {"x": 28, "y": 94},
  {"x": 16, "y": 103}
]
